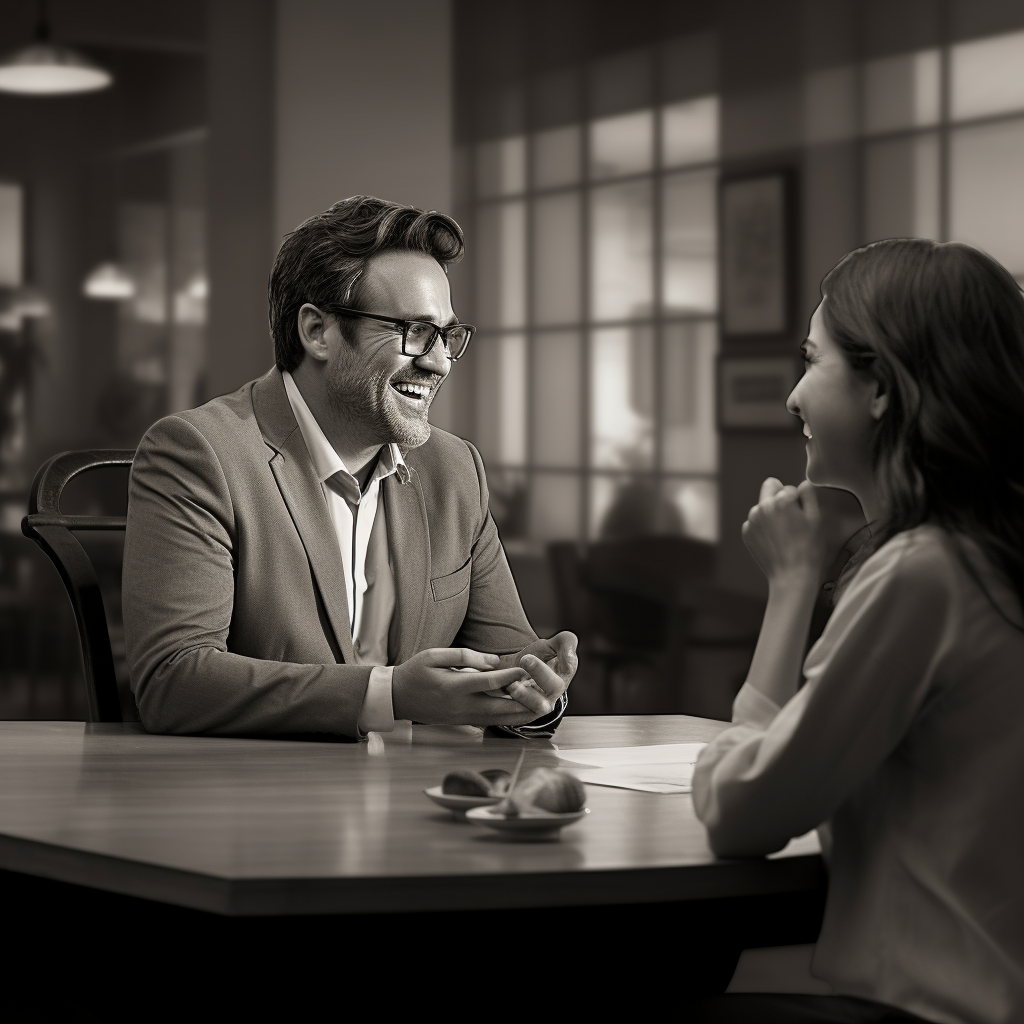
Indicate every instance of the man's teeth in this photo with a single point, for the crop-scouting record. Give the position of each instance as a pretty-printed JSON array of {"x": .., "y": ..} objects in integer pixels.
[{"x": 420, "y": 390}]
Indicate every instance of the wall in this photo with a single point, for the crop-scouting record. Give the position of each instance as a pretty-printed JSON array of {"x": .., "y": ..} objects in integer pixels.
[{"x": 363, "y": 104}]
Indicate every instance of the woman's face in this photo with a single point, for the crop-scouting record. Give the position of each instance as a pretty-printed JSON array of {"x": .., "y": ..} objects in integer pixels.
[{"x": 840, "y": 409}]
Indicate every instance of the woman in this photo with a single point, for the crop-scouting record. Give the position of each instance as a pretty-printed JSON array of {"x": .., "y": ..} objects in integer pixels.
[{"x": 907, "y": 736}]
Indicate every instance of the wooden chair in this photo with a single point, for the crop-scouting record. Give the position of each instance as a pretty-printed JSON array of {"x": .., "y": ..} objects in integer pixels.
[{"x": 55, "y": 534}]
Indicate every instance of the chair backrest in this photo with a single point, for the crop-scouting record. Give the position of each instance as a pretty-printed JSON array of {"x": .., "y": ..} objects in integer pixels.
[{"x": 53, "y": 532}]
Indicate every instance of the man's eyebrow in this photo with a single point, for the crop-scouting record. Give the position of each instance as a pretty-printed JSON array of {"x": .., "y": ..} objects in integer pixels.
[{"x": 428, "y": 318}]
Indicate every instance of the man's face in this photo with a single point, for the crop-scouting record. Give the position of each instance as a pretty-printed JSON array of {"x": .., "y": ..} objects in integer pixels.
[{"x": 387, "y": 393}]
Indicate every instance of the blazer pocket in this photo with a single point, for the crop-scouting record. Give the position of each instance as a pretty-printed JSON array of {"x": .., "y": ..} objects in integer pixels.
[{"x": 446, "y": 587}]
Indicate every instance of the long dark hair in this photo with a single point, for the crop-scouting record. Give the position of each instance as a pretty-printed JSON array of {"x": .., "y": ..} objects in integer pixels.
[{"x": 940, "y": 326}]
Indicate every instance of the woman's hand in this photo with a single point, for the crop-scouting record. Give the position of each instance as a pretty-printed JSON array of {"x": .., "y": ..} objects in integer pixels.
[{"x": 784, "y": 533}]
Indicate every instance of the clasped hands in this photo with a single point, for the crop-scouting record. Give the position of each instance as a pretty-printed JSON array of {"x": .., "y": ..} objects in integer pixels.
[{"x": 425, "y": 689}]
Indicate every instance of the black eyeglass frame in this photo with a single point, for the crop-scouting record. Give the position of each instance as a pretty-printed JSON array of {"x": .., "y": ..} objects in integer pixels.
[{"x": 404, "y": 325}]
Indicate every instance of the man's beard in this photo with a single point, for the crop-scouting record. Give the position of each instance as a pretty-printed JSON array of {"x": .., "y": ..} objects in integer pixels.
[{"x": 372, "y": 404}]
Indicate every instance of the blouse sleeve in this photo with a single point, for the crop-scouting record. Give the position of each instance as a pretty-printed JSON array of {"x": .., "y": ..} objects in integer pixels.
[{"x": 779, "y": 772}]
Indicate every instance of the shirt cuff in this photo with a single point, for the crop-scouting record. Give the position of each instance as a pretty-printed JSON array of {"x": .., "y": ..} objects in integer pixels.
[
  {"x": 541, "y": 728},
  {"x": 377, "y": 713},
  {"x": 751, "y": 707}
]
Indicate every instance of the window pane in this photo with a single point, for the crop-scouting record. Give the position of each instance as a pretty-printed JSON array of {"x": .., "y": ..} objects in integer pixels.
[
  {"x": 987, "y": 190},
  {"x": 508, "y": 502},
  {"x": 556, "y": 259},
  {"x": 690, "y": 132},
  {"x": 690, "y": 441},
  {"x": 556, "y": 157},
  {"x": 697, "y": 504},
  {"x": 555, "y": 506},
  {"x": 621, "y": 145},
  {"x": 632, "y": 506},
  {"x": 501, "y": 167},
  {"x": 987, "y": 76},
  {"x": 901, "y": 188},
  {"x": 501, "y": 283},
  {"x": 557, "y": 377},
  {"x": 902, "y": 91},
  {"x": 621, "y": 251},
  {"x": 690, "y": 269},
  {"x": 501, "y": 399},
  {"x": 622, "y": 398}
]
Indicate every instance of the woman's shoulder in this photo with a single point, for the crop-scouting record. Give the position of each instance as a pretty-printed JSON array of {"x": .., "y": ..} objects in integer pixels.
[{"x": 923, "y": 558}]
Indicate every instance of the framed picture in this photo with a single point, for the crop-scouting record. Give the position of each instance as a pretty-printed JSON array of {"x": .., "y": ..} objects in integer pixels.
[
  {"x": 752, "y": 392},
  {"x": 757, "y": 255}
]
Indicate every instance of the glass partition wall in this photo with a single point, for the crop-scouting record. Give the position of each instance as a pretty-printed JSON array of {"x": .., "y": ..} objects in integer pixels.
[
  {"x": 943, "y": 149},
  {"x": 595, "y": 257}
]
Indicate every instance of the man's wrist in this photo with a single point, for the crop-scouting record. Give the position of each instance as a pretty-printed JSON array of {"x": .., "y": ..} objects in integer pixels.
[{"x": 377, "y": 713}]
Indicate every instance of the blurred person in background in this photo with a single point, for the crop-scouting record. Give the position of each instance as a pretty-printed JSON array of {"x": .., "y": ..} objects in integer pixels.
[
  {"x": 307, "y": 555},
  {"x": 906, "y": 737}
]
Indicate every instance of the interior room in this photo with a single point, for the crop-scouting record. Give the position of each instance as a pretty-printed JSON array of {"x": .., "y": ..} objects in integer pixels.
[
  {"x": 585, "y": 150},
  {"x": 651, "y": 194}
]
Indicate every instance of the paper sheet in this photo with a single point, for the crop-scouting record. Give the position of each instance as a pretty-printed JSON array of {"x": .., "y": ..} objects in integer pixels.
[{"x": 660, "y": 768}]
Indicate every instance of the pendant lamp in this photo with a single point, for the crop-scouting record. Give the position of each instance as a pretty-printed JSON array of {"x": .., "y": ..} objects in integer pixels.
[{"x": 44, "y": 69}]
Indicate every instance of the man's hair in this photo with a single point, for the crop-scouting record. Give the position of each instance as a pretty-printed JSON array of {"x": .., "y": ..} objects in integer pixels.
[{"x": 324, "y": 259}]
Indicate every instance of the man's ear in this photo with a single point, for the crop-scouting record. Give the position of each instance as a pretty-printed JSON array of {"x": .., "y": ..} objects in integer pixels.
[
  {"x": 879, "y": 403},
  {"x": 312, "y": 324}
]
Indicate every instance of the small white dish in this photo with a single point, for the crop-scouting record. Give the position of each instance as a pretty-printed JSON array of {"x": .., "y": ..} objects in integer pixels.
[
  {"x": 457, "y": 803},
  {"x": 525, "y": 827}
]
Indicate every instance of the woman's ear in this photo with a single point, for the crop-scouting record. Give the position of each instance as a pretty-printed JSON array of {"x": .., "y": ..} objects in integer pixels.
[
  {"x": 312, "y": 324},
  {"x": 879, "y": 402}
]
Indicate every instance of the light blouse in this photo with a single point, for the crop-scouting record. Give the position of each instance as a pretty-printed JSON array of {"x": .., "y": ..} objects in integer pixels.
[{"x": 905, "y": 747}]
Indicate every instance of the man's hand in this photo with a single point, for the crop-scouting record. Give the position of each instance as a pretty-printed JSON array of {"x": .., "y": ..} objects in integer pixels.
[
  {"x": 425, "y": 689},
  {"x": 551, "y": 664}
]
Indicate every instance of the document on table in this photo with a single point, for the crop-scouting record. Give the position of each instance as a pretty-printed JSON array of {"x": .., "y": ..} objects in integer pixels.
[{"x": 661, "y": 768}]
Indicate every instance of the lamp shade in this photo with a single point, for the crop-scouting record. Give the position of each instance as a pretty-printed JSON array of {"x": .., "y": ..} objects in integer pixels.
[
  {"x": 108, "y": 281},
  {"x": 43, "y": 69}
]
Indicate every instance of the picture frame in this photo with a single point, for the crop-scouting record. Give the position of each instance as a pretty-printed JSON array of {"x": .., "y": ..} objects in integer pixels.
[
  {"x": 757, "y": 255},
  {"x": 752, "y": 392}
]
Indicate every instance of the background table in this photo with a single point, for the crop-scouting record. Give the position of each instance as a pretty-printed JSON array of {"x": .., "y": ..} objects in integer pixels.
[{"x": 271, "y": 827}]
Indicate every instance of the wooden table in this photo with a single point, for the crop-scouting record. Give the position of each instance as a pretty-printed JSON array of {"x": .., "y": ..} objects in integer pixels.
[{"x": 243, "y": 827}]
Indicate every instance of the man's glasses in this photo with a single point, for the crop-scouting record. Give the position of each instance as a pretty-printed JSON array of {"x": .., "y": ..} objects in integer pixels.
[{"x": 419, "y": 336}]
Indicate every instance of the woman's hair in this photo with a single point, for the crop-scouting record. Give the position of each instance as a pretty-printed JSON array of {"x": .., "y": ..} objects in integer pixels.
[
  {"x": 324, "y": 258},
  {"x": 940, "y": 326}
]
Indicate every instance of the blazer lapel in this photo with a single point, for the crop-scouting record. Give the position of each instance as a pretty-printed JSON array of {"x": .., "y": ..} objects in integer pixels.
[
  {"x": 296, "y": 479},
  {"x": 409, "y": 544}
]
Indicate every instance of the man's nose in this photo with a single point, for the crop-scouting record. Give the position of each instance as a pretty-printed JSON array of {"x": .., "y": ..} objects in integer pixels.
[
  {"x": 434, "y": 361},
  {"x": 793, "y": 403}
]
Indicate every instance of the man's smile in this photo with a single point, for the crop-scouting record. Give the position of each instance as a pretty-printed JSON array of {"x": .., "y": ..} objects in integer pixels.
[{"x": 414, "y": 391}]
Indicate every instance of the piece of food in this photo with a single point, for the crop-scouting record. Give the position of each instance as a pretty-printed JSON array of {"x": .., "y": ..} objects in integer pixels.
[
  {"x": 498, "y": 779},
  {"x": 549, "y": 789},
  {"x": 463, "y": 782}
]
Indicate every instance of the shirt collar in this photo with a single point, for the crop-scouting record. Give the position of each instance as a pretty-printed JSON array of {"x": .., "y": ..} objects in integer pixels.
[{"x": 326, "y": 461}]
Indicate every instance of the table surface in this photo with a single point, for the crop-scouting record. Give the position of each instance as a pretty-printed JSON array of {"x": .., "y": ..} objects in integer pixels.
[{"x": 249, "y": 826}]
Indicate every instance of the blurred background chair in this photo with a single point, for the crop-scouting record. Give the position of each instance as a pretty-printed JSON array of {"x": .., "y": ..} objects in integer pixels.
[
  {"x": 92, "y": 578},
  {"x": 654, "y": 626}
]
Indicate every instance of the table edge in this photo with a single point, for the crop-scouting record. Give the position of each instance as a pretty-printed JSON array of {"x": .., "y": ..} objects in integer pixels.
[{"x": 243, "y": 897}]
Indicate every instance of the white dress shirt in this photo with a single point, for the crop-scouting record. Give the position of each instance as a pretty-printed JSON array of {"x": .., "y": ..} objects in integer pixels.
[
  {"x": 360, "y": 523},
  {"x": 908, "y": 740}
]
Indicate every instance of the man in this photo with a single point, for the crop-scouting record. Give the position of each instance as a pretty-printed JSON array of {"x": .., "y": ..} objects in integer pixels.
[{"x": 306, "y": 555}]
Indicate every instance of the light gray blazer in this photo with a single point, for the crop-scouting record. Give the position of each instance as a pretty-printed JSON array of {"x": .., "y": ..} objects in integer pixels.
[{"x": 235, "y": 613}]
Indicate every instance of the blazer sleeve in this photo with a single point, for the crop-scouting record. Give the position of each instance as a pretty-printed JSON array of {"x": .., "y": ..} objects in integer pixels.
[
  {"x": 495, "y": 621},
  {"x": 178, "y": 595}
]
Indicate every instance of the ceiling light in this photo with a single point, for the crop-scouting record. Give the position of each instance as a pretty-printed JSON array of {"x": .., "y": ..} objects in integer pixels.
[
  {"x": 44, "y": 69},
  {"x": 108, "y": 281}
]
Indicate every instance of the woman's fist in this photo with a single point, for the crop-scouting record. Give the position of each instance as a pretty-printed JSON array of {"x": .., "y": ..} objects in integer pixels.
[{"x": 784, "y": 533}]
